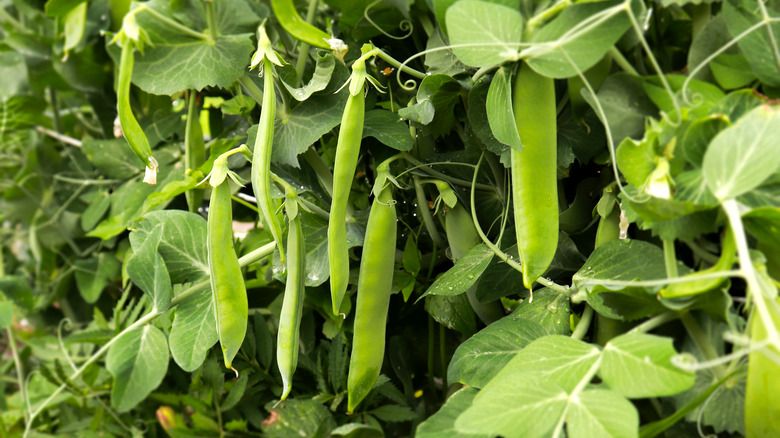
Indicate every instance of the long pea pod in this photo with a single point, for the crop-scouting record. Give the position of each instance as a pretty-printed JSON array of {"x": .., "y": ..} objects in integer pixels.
[
  {"x": 131, "y": 129},
  {"x": 287, "y": 338},
  {"x": 728, "y": 256},
  {"x": 373, "y": 298},
  {"x": 228, "y": 291},
  {"x": 345, "y": 163},
  {"x": 261, "y": 157},
  {"x": 534, "y": 169},
  {"x": 295, "y": 25},
  {"x": 194, "y": 148}
]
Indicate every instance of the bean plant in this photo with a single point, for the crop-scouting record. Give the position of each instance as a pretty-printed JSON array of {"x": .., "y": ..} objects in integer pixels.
[{"x": 368, "y": 218}]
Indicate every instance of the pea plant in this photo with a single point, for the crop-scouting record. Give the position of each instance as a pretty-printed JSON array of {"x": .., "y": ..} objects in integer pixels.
[{"x": 368, "y": 218}]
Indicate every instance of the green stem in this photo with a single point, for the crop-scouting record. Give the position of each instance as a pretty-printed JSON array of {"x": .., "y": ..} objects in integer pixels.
[
  {"x": 702, "y": 342},
  {"x": 443, "y": 360},
  {"x": 19, "y": 372},
  {"x": 8, "y": 18},
  {"x": 55, "y": 110},
  {"x": 324, "y": 175},
  {"x": 622, "y": 62},
  {"x": 249, "y": 258},
  {"x": 425, "y": 213},
  {"x": 701, "y": 252},
  {"x": 454, "y": 181},
  {"x": 431, "y": 354},
  {"x": 582, "y": 327},
  {"x": 173, "y": 23},
  {"x": 754, "y": 289},
  {"x": 670, "y": 259},
  {"x": 59, "y": 137},
  {"x": 539, "y": 19},
  {"x": 211, "y": 20},
  {"x": 303, "y": 48},
  {"x": 392, "y": 61},
  {"x": 654, "y": 322},
  {"x": 251, "y": 88}
]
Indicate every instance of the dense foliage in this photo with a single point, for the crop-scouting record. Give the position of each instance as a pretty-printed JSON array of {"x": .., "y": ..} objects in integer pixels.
[{"x": 223, "y": 219}]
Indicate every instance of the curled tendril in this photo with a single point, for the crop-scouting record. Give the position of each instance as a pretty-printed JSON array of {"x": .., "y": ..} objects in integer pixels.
[{"x": 404, "y": 25}]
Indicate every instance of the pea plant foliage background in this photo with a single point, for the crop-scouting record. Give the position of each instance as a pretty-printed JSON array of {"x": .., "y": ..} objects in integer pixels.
[{"x": 432, "y": 218}]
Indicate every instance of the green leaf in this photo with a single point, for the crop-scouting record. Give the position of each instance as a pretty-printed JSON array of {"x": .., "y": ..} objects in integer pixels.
[
  {"x": 762, "y": 395},
  {"x": 625, "y": 105},
  {"x": 194, "y": 330},
  {"x": 597, "y": 413},
  {"x": 58, "y": 8},
  {"x": 6, "y": 314},
  {"x": 323, "y": 71},
  {"x": 236, "y": 392},
  {"x": 464, "y": 274},
  {"x": 177, "y": 61},
  {"x": 499, "y": 110},
  {"x": 16, "y": 289},
  {"x": 307, "y": 418},
  {"x": 764, "y": 224},
  {"x": 442, "y": 423},
  {"x": 436, "y": 99},
  {"x": 482, "y": 356},
  {"x": 758, "y": 46},
  {"x": 452, "y": 311},
  {"x": 523, "y": 406},
  {"x": 387, "y": 127},
  {"x": 183, "y": 243},
  {"x": 394, "y": 413},
  {"x": 357, "y": 430},
  {"x": 732, "y": 71},
  {"x": 638, "y": 365},
  {"x": 493, "y": 32},
  {"x": 113, "y": 157},
  {"x": 561, "y": 360},
  {"x": 478, "y": 120},
  {"x": 742, "y": 156},
  {"x": 94, "y": 274},
  {"x": 622, "y": 261},
  {"x": 138, "y": 360},
  {"x": 572, "y": 38},
  {"x": 75, "y": 26},
  {"x": 19, "y": 112},
  {"x": 238, "y": 105},
  {"x": 147, "y": 270}
]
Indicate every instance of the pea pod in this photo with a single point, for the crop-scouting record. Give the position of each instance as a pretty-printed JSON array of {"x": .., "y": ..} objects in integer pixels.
[
  {"x": 261, "y": 157},
  {"x": 462, "y": 236},
  {"x": 534, "y": 173},
  {"x": 130, "y": 128},
  {"x": 294, "y": 290},
  {"x": 295, "y": 25},
  {"x": 726, "y": 260},
  {"x": 609, "y": 227},
  {"x": 228, "y": 291},
  {"x": 345, "y": 163},
  {"x": 194, "y": 148},
  {"x": 373, "y": 299}
]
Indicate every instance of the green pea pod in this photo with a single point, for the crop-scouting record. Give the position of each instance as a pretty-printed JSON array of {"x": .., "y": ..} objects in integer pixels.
[
  {"x": 261, "y": 161},
  {"x": 726, "y": 260},
  {"x": 534, "y": 173},
  {"x": 130, "y": 128},
  {"x": 291, "y": 21},
  {"x": 373, "y": 299},
  {"x": 228, "y": 291},
  {"x": 462, "y": 236},
  {"x": 609, "y": 227},
  {"x": 292, "y": 306},
  {"x": 194, "y": 149},
  {"x": 347, "y": 151}
]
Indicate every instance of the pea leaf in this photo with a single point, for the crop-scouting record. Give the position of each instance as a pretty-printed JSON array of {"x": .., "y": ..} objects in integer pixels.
[
  {"x": 323, "y": 71},
  {"x": 483, "y": 355},
  {"x": 436, "y": 99},
  {"x": 478, "y": 120},
  {"x": 743, "y": 155},
  {"x": 452, "y": 311},
  {"x": 638, "y": 365},
  {"x": 499, "y": 110},
  {"x": 183, "y": 242},
  {"x": 464, "y": 274},
  {"x": 94, "y": 274},
  {"x": 194, "y": 330},
  {"x": 442, "y": 423},
  {"x": 625, "y": 106},
  {"x": 572, "y": 38},
  {"x": 492, "y": 31},
  {"x": 138, "y": 360},
  {"x": 147, "y": 270},
  {"x": 762, "y": 393},
  {"x": 387, "y": 127},
  {"x": 757, "y": 46},
  {"x": 177, "y": 61},
  {"x": 601, "y": 413},
  {"x": 764, "y": 223},
  {"x": 297, "y": 418}
]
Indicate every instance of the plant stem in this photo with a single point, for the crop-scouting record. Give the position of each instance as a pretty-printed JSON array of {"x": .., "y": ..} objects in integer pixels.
[
  {"x": 251, "y": 89},
  {"x": 211, "y": 19},
  {"x": 670, "y": 259},
  {"x": 702, "y": 342},
  {"x": 324, "y": 175},
  {"x": 19, "y": 372},
  {"x": 431, "y": 354},
  {"x": 622, "y": 62},
  {"x": 443, "y": 360},
  {"x": 584, "y": 324},
  {"x": 454, "y": 181},
  {"x": 654, "y": 322},
  {"x": 57, "y": 136},
  {"x": 392, "y": 61},
  {"x": 425, "y": 213},
  {"x": 303, "y": 48},
  {"x": 173, "y": 23}
]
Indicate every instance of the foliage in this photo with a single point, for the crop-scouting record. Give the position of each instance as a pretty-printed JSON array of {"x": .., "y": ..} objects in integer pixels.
[{"x": 659, "y": 313}]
